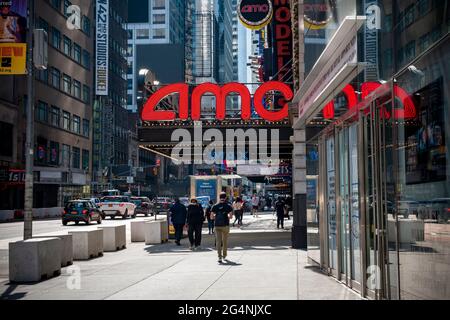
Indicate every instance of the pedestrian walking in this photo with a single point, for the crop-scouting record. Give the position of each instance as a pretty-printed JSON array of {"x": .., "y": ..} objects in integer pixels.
[
  {"x": 238, "y": 210},
  {"x": 195, "y": 218},
  {"x": 178, "y": 214},
  {"x": 279, "y": 209},
  {"x": 222, "y": 213},
  {"x": 208, "y": 217},
  {"x": 288, "y": 206},
  {"x": 255, "y": 205}
]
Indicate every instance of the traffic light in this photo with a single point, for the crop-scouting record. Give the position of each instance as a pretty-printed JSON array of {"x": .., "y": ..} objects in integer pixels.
[{"x": 158, "y": 162}]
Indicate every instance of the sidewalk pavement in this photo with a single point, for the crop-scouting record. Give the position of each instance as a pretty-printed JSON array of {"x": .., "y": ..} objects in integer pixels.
[{"x": 262, "y": 266}]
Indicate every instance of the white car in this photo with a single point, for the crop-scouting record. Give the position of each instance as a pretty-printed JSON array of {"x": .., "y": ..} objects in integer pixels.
[{"x": 114, "y": 206}]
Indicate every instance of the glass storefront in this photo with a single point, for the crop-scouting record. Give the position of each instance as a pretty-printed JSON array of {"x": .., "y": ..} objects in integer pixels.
[{"x": 384, "y": 167}]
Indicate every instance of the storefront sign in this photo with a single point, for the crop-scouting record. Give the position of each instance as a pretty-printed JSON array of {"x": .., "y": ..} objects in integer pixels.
[
  {"x": 221, "y": 93},
  {"x": 255, "y": 14},
  {"x": 12, "y": 176},
  {"x": 13, "y": 58},
  {"x": 102, "y": 47}
]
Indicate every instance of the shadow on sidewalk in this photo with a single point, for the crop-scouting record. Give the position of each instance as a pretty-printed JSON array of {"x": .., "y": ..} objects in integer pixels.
[
  {"x": 9, "y": 295},
  {"x": 265, "y": 241}
]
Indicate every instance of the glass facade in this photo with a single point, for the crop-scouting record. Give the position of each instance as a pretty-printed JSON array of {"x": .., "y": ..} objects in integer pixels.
[{"x": 383, "y": 200}]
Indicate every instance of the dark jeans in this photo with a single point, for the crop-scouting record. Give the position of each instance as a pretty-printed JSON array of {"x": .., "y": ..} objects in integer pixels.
[
  {"x": 195, "y": 234},
  {"x": 280, "y": 221},
  {"x": 178, "y": 231},
  {"x": 238, "y": 217},
  {"x": 211, "y": 226}
]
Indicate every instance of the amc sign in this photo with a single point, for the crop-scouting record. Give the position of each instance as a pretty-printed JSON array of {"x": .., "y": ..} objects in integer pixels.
[{"x": 255, "y": 14}]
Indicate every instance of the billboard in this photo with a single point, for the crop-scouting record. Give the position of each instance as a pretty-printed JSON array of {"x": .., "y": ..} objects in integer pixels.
[
  {"x": 13, "y": 58},
  {"x": 13, "y": 21},
  {"x": 13, "y": 24},
  {"x": 101, "y": 47}
]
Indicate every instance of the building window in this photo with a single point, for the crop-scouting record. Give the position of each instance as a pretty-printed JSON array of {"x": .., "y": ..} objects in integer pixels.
[
  {"x": 42, "y": 111},
  {"x": 56, "y": 4},
  {"x": 56, "y": 38},
  {"x": 65, "y": 155},
  {"x": 66, "y": 120},
  {"x": 54, "y": 153},
  {"x": 159, "y": 33},
  {"x": 159, "y": 4},
  {"x": 67, "y": 4},
  {"x": 130, "y": 84},
  {"x": 142, "y": 34},
  {"x": 67, "y": 84},
  {"x": 41, "y": 150},
  {"x": 423, "y": 7},
  {"x": 76, "y": 124},
  {"x": 42, "y": 75},
  {"x": 6, "y": 132},
  {"x": 67, "y": 46},
  {"x": 86, "y": 94},
  {"x": 85, "y": 160},
  {"x": 43, "y": 24},
  {"x": 56, "y": 78},
  {"x": 129, "y": 99},
  {"x": 77, "y": 53},
  {"x": 86, "y": 59},
  {"x": 86, "y": 25},
  {"x": 54, "y": 116},
  {"x": 75, "y": 158},
  {"x": 159, "y": 19},
  {"x": 77, "y": 89},
  {"x": 86, "y": 128},
  {"x": 130, "y": 34}
]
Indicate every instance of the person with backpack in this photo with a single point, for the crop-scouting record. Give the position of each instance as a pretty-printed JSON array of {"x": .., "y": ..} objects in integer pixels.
[
  {"x": 178, "y": 215},
  {"x": 195, "y": 218},
  {"x": 208, "y": 217},
  {"x": 222, "y": 213}
]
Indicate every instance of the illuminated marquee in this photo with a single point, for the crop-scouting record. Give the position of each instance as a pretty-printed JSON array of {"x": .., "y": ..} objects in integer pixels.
[
  {"x": 149, "y": 112},
  {"x": 408, "y": 111}
]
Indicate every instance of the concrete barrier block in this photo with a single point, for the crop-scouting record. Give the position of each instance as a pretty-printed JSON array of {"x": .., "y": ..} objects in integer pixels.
[
  {"x": 152, "y": 232},
  {"x": 409, "y": 230},
  {"x": 66, "y": 247},
  {"x": 87, "y": 244},
  {"x": 114, "y": 238},
  {"x": 137, "y": 230},
  {"x": 34, "y": 260}
]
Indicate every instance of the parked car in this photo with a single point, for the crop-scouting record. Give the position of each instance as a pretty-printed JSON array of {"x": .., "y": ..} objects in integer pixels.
[
  {"x": 407, "y": 208},
  {"x": 162, "y": 204},
  {"x": 117, "y": 206},
  {"x": 95, "y": 201},
  {"x": 81, "y": 210},
  {"x": 143, "y": 206}
]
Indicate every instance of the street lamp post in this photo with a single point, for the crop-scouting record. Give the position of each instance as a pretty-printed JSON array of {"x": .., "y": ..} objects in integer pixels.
[{"x": 29, "y": 145}]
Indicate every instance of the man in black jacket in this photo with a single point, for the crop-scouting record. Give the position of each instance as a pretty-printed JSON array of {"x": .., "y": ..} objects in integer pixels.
[
  {"x": 195, "y": 218},
  {"x": 178, "y": 215}
]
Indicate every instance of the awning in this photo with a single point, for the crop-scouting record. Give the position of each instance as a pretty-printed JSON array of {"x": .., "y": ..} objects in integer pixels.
[{"x": 337, "y": 65}]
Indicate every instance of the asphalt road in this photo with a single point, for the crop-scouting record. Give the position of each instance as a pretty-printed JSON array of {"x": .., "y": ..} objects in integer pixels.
[{"x": 13, "y": 230}]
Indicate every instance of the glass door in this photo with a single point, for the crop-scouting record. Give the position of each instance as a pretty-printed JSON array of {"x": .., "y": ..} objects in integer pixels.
[{"x": 377, "y": 177}]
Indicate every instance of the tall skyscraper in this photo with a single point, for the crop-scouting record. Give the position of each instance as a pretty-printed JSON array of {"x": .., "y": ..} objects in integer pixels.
[{"x": 152, "y": 22}]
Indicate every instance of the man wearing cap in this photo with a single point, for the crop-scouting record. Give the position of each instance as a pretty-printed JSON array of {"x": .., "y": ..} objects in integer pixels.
[{"x": 221, "y": 213}]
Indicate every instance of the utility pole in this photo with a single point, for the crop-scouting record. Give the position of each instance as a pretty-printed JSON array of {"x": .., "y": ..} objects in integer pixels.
[{"x": 29, "y": 144}]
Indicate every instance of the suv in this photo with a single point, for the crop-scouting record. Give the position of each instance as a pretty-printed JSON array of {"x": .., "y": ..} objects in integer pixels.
[
  {"x": 143, "y": 205},
  {"x": 162, "y": 204},
  {"x": 117, "y": 206},
  {"x": 81, "y": 210}
]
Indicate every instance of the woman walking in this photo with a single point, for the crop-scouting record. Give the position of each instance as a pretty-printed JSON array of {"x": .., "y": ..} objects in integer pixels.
[
  {"x": 208, "y": 217},
  {"x": 238, "y": 208}
]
